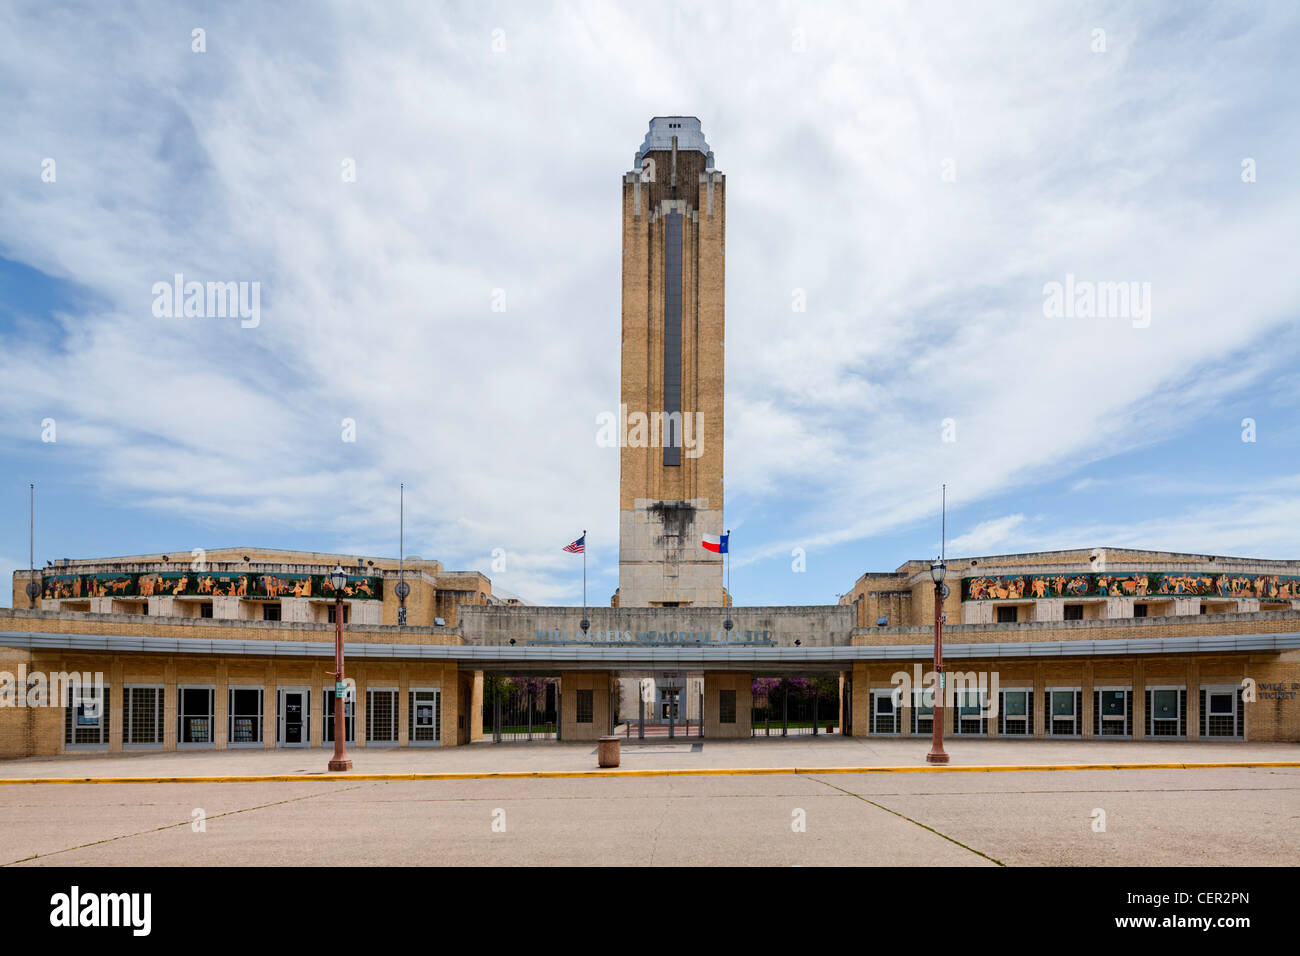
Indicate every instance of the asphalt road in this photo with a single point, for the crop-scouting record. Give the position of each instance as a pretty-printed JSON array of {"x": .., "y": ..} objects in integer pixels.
[{"x": 1166, "y": 817}]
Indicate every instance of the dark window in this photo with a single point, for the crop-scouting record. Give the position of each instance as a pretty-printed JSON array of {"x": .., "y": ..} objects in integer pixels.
[
  {"x": 350, "y": 730},
  {"x": 346, "y": 609},
  {"x": 884, "y": 716},
  {"x": 1006, "y": 615},
  {"x": 726, "y": 707},
  {"x": 1139, "y": 610},
  {"x": 671, "y": 435},
  {"x": 245, "y": 717},
  {"x": 1074, "y": 612},
  {"x": 144, "y": 608},
  {"x": 195, "y": 715},
  {"x": 270, "y": 612},
  {"x": 586, "y": 706},
  {"x": 205, "y": 609}
]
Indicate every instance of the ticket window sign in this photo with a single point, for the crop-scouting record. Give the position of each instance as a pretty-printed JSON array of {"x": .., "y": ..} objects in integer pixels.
[
  {"x": 424, "y": 715},
  {"x": 89, "y": 711}
]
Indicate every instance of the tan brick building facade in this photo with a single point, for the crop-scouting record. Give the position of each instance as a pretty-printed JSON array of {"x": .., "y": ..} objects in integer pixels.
[{"x": 234, "y": 647}]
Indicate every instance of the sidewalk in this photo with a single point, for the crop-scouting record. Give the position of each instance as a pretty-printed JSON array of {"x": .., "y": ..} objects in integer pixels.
[{"x": 659, "y": 754}]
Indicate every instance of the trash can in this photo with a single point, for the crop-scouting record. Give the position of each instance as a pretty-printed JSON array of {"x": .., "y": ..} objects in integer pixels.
[{"x": 607, "y": 752}]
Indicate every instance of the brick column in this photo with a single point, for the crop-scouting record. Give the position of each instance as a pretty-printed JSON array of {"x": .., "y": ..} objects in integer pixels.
[
  {"x": 116, "y": 705},
  {"x": 861, "y": 700},
  {"x": 403, "y": 705},
  {"x": 221, "y": 708},
  {"x": 1086, "y": 686},
  {"x": 1139, "y": 701},
  {"x": 715, "y": 682},
  {"x": 599, "y": 683},
  {"x": 451, "y": 705},
  {"x": 171, "y": 704}
]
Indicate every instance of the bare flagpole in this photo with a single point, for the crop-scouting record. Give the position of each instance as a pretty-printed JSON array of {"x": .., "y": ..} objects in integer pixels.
[
  {"x": 31, "y": 546},
  {"x": 730, "y": 597}
]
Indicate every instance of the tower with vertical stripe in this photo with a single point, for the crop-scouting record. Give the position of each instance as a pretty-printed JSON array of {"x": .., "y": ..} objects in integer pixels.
[{"x": 671, "y": 411}]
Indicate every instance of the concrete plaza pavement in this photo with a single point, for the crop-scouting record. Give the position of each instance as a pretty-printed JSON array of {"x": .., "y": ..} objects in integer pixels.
[
  {"x": 679, "y": 753},
  {"x": 1203, "y": 816}
]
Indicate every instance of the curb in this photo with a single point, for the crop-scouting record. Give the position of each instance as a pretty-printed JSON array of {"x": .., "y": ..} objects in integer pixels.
[{"x": 326, "y": 777}]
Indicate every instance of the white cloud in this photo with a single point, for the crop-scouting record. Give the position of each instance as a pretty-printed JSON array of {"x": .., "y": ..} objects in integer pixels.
[{"x": 479, "y": 171}]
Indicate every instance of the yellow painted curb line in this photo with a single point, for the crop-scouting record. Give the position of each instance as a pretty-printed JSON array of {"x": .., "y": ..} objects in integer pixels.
[{"x": 681, "y": 772}]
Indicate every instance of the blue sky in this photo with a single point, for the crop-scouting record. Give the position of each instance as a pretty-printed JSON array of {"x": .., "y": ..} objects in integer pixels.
[{"x": 917, "y": 172}]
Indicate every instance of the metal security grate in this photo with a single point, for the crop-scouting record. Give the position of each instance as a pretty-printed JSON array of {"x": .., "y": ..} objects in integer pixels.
[
  {"x": 1016, "y": 713},
  {"x": 1166, "y": 712},
  {"x": 381, "y": 716},
  {"x": 142, "y": 715}
]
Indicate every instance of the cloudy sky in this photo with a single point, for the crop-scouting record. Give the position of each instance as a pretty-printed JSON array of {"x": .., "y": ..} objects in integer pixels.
[{"x": 917, "y": 173}]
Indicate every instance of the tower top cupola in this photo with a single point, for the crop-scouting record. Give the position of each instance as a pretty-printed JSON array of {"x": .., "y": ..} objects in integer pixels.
[{"x": 689, "y": 135}]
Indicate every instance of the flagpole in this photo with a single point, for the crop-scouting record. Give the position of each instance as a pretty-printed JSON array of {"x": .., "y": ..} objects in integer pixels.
[
  {"x": 730, "y": 596},
  {"x": 584, "y": 573}
]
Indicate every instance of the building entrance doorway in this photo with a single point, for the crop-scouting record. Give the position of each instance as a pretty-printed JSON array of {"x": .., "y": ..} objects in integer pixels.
[
  {"x": 521, "y": 708},
  {"x": 669, "y": 705},
  {"x": 294, "y": 712}
]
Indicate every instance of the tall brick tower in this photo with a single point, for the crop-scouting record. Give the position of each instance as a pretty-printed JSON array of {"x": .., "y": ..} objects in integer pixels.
[{"x": 674, "y": 232}]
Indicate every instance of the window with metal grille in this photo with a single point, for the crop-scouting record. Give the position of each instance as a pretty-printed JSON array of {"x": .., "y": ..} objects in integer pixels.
[
  {"x": 205, "y": 609},
  {"x": 245, "y": 716},
  {"x": 381, "y": 716},
  {"x": 922, "y": 712},
  {"x": 1166, "y": 712},
  {"x": 195, "y": 715},
  {"x": 349, "y": 718},
  {"x": 346, "y": 613},
  {"x": 884, "y": 713},
  {"x": 1074, "y": 612},
  {"x": 586, "y": 701},
  {"x": 1007, "y": 615},
  {"x": 1063, "y": 708},
  {"x": 86, "y": 716},
  {"x": 424, "y": 717},
  {"x": 969, "y": 717},
  {"x": 1016, "y": 713},
  {"x": 1219, "y": 706},
  {"x": 1112, "y": 712},
  {"x": 270, "y": 612},
  {"x": 142, "y": 715},
  {"x": 1139, "y": 610},
  {"x": 726, "y": 707}
]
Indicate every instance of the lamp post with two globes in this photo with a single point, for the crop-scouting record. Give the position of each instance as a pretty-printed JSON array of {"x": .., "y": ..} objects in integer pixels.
[
  {"x": 339, "y": 579},
  {"x": 937, "y": 754}
]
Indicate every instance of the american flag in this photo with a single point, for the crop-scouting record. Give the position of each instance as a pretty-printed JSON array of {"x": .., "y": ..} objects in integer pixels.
[{"x": 577, "y": 547}]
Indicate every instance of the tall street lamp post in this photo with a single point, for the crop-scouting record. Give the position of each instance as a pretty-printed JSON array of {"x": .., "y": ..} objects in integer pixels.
[
  {"x": 340, "y": 761},
  {"x": 937, "y": 754}
]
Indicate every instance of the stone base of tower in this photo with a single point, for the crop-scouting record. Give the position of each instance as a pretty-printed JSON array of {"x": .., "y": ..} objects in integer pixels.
[{"x": 661, "y": 562}]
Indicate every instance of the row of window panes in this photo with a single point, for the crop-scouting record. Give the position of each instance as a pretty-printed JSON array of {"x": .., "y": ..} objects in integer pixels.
[
  {"x": 1009, "y": 613},
  {"x": 1166, "y": 712},
  {"x": 87, "y": 719}
]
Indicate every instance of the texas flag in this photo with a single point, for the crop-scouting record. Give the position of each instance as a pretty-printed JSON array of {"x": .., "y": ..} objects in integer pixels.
[{"x": 716, "y": 543}]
